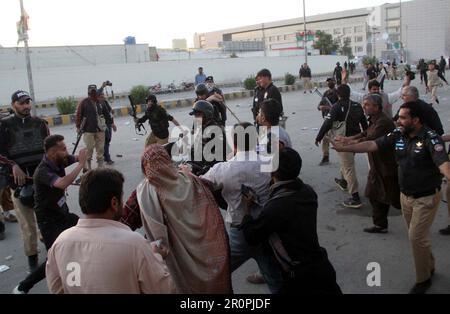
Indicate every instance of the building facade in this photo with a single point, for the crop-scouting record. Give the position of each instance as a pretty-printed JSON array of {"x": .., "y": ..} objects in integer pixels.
[{"x": 403, "y": 30}]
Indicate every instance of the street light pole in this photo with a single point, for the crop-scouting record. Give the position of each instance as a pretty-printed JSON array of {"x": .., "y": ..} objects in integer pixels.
[
  {"x": 27, "y": 58},
  {"x": 304, "y": 37},
  {"x": 401, "y": 32}
]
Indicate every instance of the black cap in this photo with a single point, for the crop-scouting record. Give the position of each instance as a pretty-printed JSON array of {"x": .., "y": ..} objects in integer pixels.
[
  {"x": 290, "y": 164},
  {"x": 20, "y": 95},
  {"x": 210, "y": 79}
]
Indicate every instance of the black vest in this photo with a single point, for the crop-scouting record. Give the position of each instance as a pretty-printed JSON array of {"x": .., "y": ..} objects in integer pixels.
[{"x": 26, "y": 140}]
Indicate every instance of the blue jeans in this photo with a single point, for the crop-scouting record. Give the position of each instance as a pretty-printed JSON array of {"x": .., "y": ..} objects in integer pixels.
[
  {"x": 108, "y": 137},
  {"x": 241, "y": 252}
]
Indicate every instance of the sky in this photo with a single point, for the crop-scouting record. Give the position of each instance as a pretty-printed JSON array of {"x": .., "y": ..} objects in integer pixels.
[{"x": 156, "y": 22}]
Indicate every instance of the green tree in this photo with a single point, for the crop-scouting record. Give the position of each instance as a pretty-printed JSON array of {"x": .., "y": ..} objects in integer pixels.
[
  {"x": 325, "y": 43},
  {"x": 346, "y": 49},
  {"x": 369, "y": 60}
]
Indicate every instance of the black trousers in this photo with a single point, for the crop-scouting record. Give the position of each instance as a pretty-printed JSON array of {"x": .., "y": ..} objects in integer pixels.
[
  {"x": 424, "y": 77},
  {"x": 442, "y": 77},
  {"x": 316, "y": 278},
  {"x": 380, "y": 213},
  {"x": 50, "y": 231}
]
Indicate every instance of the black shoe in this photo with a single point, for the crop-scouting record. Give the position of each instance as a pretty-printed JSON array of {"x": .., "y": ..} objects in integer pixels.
[
  {"x": 110, "y": 162},
  {"x": 33, "y": 263},
  {"x": 352, "y": 203},
  {"x": 445, "y": 231},
  {"x": 342, "y": 184},
  {"x": 421, "y": 288},
  {"x": 325, "y": 161},
  {"x": 376, "y": 229}
]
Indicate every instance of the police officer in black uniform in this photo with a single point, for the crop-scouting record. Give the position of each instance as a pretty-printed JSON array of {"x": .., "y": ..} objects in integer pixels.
[
  {"x": 22, "y": 142},
  {"x": 330, "y": 97},
  {"x": 215, "y": 98},
  {"x": 422, "y": 160},
  {"x": 203, "y": 112},
  {"x": 158, "y": 119},
  {"x": 265, "y": 89}
]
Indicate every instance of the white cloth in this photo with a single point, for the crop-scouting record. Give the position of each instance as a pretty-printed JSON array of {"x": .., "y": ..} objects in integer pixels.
[
  {"x": 242, "y": 169},
  {"x": 104, "y": 256},
  {"x": 388, "y": 99}
]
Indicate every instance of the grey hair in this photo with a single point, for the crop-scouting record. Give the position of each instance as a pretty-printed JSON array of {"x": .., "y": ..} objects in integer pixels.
[
  {"x": 412, "y": 91},
  {"x": 375, "y": 99}
]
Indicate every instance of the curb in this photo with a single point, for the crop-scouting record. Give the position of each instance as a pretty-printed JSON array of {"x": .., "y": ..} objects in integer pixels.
[{"x": 181, "y": 103}]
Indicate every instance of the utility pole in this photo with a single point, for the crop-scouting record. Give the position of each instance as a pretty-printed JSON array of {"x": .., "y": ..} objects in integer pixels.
[
  {"x": 27, "y": 58},
  {"x": 304, "y": 37},
  {"x": 401, "y": 33}
]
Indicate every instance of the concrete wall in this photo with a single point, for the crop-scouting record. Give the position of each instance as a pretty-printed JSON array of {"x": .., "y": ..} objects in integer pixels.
[
  {"x": 51, "y": 57},
  {"x": 51, "y": 83}
]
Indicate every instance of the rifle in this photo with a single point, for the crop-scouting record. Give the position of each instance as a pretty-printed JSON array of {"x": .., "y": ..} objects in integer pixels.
[
  {"x": 79, "y": 135},
  {"x": 138, "y": 126}
]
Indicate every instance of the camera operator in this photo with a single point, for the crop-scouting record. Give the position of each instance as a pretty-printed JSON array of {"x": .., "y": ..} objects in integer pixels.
[
  {"x": 22, "y": 142},
  {"x": 94, "y": 128}
]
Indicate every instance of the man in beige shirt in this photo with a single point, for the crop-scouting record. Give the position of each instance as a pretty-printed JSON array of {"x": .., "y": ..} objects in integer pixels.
[{"x": 101, "y": 255}]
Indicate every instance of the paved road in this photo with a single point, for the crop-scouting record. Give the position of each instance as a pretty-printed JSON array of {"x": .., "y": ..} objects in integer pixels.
[{"x": 340, "y": 229}]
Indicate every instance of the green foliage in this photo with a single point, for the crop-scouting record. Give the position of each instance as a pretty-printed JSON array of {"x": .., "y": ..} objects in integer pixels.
[
  {"x": 369, "y": 60},
  {"x": 325, "y": 43},
  {"x": 250, "y": 83},
  {"x": 289, "y": 79},
  {"x": 139, "y": 93},
  {"x": 66, "y": 105}
]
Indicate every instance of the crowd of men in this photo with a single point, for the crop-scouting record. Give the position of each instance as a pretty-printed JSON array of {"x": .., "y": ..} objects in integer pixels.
[{"x": 270, "y": 216}]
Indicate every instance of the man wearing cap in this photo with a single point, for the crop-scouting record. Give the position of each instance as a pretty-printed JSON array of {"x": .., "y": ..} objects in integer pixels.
[
  {"x": 22, "y": 143},
  {"x": 91, "y": 111},
  {"x": 287, "y": 229},
  {"x": 330, "y": 97},
  {"x": 266, "y": 90},
  {"x": 158, "y": 119}
]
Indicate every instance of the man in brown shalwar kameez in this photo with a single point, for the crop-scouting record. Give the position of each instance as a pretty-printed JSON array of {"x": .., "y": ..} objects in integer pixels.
[{"x": 382, "y": 182}]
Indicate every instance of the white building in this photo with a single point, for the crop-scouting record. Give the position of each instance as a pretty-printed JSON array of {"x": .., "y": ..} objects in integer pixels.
[{"x": 420, "y": 27}]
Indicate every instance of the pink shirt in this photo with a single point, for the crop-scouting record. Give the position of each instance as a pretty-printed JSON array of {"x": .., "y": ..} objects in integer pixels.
[{"x": 104, "y": 256}]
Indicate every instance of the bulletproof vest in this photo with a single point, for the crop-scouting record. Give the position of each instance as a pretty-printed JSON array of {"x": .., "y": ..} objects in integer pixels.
[{"x": 26, "y": 140}]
